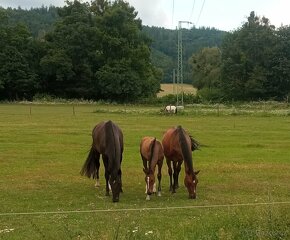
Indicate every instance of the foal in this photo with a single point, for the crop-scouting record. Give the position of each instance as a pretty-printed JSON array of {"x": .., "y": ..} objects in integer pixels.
[{"x": 152, "y": 153}]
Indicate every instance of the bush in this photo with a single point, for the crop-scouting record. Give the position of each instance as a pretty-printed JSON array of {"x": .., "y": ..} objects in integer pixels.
[{"x": 214, "y": 95}]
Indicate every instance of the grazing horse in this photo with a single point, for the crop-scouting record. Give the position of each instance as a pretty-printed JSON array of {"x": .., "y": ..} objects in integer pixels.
[
  {"x": 171, "y": 109},
  {"x": 108, "y": 141},
  {"x": 152, "y": 153},
  {"x": 178, "y": 145}
]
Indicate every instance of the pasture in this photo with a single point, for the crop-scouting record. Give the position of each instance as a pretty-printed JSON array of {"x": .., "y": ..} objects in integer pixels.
[{"x": 244, "y": 180}]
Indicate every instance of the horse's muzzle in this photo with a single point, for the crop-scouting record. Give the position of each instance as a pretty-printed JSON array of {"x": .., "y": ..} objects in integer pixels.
[
  {"x": 192, "y": 196},
  {"x": 116, "y": 200}
]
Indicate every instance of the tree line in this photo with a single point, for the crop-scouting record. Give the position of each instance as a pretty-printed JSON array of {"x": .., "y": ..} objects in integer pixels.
[
  {"x": 100, "y": 50},
  {"x": 253, "y": 63},
  {"x": 94, "y": 50}
]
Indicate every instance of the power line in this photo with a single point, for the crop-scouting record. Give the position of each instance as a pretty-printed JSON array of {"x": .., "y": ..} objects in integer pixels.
[
  {"x": 172, "y": 13},
  {"x": 192, "y": 9},
  {"x": 200, "y": 12}
]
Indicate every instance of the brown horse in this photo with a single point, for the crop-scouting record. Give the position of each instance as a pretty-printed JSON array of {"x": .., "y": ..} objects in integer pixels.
[
  {"x": 108, "y": 141},
  {"x": 152, "y": 153},
  {"x": 178, "y": 146}
]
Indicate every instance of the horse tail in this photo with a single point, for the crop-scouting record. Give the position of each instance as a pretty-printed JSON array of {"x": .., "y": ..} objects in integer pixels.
[
  {"x": 90, "y": 166},
  {"x": 113, "y": 149},
  {"x": 186, "y": 150},
  {"x": 194, "y": 144},
  {"x": 152, "y": 146}
]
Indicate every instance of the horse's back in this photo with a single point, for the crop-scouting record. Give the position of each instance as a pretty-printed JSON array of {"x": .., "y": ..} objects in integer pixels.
[
  {"x": 102, "y": 136},
  {"x": 145, "y": 147},
  {"x": 171, "y": 143}
]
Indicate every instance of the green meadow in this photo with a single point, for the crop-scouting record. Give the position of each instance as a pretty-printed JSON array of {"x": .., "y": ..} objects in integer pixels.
[{"x": 244, "y": 179}]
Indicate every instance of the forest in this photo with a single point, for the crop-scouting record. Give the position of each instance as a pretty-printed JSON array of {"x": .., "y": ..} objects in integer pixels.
[{"x": 101, "y": 51}]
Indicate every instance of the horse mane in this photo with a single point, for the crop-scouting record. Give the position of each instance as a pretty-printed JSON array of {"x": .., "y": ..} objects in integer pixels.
[
  {"x": 113, "y": 150},
  {"x": 186, "y": 151},
  {"x": 152, "y": 146}
]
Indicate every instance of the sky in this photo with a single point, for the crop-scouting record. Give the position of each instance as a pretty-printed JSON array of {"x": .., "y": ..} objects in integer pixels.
[{"x": 226, "y": 15}]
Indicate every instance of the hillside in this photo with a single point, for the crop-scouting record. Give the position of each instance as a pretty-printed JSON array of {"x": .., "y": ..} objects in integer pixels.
[{"x": 164, "y": 47}]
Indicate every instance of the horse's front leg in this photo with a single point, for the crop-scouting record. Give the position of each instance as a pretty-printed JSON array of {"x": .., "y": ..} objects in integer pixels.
[
  {"x": 168, "y": 161},
  {"x": 159, "y": 176}
]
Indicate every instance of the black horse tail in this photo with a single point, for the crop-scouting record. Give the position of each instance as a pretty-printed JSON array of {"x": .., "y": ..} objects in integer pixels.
[
  {"x": 194, "y": 144},
  {"x": 90, "y": 166},
  {"x": 186, "y": 150},
  {"x": 113, "y": 150},
  {"x": 152, "y": 147}
]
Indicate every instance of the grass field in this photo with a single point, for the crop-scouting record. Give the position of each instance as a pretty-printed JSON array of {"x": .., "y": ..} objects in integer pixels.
[{"x": 243, "y": 190}]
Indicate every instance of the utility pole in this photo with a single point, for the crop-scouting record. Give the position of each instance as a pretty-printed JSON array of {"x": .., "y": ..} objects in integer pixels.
[
  {"x": 174, "y": 82},
  {"x": 179, "y": 81}
]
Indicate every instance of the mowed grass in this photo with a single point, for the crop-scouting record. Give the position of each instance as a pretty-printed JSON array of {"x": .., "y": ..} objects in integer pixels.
[{"x": 243, "y": 159}]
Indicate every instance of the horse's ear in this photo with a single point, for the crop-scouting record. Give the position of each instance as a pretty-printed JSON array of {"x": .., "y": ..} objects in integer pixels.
[{"x": 197, "y": 172}]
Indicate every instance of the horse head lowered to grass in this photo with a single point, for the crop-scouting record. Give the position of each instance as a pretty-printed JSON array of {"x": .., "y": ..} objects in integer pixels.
[
  {"x": 178, "y": 145},
  {"x": 108, "y": 141},
  {"x": 152, "y": 154}
]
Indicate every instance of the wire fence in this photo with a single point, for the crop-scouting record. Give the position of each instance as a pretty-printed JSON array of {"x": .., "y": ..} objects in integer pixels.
[{"x": 146, "y": 209}]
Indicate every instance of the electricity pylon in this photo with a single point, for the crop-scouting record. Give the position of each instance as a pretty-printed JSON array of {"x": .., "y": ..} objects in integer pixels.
[{"x": 179, "y": 82}]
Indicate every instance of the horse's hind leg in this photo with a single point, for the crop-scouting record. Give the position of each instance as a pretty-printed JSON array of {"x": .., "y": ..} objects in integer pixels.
[
  {"x": 168, "y": 161},
  {"x": 97, "y": 169},
  {"x": 159, "y": 176},
  {"x": 107, "y": 174}
]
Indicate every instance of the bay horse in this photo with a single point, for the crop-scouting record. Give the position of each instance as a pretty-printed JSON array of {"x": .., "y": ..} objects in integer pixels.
[
  {"x": 178, "y": 145},
  {"x": 108, "y": 142},
  {"x": 152, "y": 154}
]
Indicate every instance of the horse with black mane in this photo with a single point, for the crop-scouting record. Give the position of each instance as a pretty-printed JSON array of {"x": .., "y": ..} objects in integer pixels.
[
  {"x": 152, "y": 154},
  {"x": 108, "y": 141},
  {"x": 178, "y": 145}
]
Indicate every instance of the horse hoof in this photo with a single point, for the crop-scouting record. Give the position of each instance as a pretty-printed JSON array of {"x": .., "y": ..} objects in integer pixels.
[
  {"x": 97, "y": 184},
  {"x": 159, "y": 194},
  {"x": 147, "y": 197}
]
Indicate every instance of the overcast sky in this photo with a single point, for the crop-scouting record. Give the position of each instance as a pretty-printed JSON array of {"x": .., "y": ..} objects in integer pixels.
[{"x": 221, "y": 14}]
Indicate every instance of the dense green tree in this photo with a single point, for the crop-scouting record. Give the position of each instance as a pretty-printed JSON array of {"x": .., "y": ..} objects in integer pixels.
[
  {"x": 127, "y": 72},
  {"x": 98, "y": 51},
  {"x": 278, "y": 78},
  {"x": 206, "y": 67},
  {"x": 246, "y": 60},
  {"x": 74, "y": 50},
  {"x": 17, "y": 77}
]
